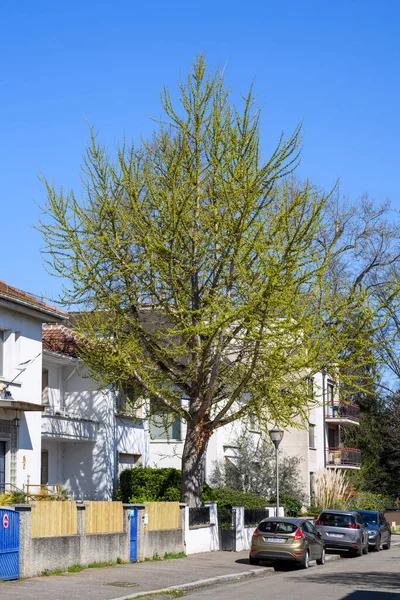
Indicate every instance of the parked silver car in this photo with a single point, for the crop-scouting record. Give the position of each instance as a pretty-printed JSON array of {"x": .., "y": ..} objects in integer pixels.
[{"x": 343, "y": 530}]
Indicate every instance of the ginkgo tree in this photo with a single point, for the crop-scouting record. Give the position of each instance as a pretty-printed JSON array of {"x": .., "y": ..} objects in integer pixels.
[{"x": 209, "y": 282}]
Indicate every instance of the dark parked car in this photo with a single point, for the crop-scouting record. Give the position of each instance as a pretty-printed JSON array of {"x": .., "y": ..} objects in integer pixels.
[
  {"x": 343, "y": 530},
  {"x": 379, "y": 533},
  {"x": 284, "y": 539}
]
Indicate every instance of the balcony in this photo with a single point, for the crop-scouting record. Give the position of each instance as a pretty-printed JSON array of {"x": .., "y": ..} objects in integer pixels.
[
  {"x": 66, "y": 428},
  {"x": 343, "y": 413},
  {"x": 345, "y": 458}
]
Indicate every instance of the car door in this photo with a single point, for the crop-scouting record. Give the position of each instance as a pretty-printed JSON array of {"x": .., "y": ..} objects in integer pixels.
[
  {"x": 363, "y": 527},
  {"x": 384, "y": 529},
  {"x": 319, "y": 542},
  {"x": 310, "y": 536}
]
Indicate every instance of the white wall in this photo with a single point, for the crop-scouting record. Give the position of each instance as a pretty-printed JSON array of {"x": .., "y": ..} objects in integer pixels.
[
  {"x": 202, "y": 539},
  {"x": 27, "y": 387},
  {"x": 87, "y": 468}
]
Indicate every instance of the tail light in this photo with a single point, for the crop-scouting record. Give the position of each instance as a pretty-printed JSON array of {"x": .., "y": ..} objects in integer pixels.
[
  {"x": 256, "y": 533},
  {"x": 299, "y": 534},
  {"x": 354, "y": 526},
  {"x": 319, "y": 522}
]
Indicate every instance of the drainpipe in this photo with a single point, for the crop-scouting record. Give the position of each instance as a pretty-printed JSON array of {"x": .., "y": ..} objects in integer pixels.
[{"x": 324, "y": 373}]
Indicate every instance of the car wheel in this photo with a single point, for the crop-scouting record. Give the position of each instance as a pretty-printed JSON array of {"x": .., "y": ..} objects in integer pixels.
[
  {"x": 253, "y": 561},
  {"x": 388, "y": 544},
  {"x": 305, "y": 561},
  {"x": 321, "y": 561},
  {"x": 377, "y": 546},
  {"x": 359, "y": 551},
  {"x": 365, "y": 549}
]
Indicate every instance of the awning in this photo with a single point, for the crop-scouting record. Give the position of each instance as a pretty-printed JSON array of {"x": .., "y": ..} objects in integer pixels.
[{"x": 19, "y": 405}]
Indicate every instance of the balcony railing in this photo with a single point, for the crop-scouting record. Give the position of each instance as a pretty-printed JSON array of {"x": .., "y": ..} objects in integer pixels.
[
  {"x": 343, "y": 411},
  {"x": 345, "y": 457}
]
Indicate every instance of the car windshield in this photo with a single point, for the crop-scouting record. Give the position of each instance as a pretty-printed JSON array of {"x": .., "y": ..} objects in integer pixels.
[
  {"x": 333, "y": 520},
  {"x": 274, "y": 527},
  {"x": 369, "y": 518}
]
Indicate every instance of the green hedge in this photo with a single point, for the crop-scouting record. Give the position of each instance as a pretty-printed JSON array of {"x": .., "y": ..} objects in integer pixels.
[
  {"x": 370, "y": 501},
  {"x": 146, "y": 484}
]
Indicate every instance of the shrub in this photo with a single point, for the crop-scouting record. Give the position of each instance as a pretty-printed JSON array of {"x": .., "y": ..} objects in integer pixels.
[
  {"x": 332, "y": 490},
  {"x": 145, "y": 484},
  {"x": 13, "y": 497},
  {"x": 370, "y": 501},
  {"x": 226, "y": 497},
  {"x": 292, "y": 504}
]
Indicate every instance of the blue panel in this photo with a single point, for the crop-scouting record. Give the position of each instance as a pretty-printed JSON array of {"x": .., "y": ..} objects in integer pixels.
[
  {"x": 133, "y": 520},
  {"x": 9, "y": 544}
]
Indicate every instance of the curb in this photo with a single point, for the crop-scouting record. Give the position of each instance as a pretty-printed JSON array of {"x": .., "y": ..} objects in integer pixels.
[
  {"x": 196, "y": 584},
  {"x": 192, "y": 585}
]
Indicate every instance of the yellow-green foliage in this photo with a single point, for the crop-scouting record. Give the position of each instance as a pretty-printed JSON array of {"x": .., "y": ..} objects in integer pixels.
[{"x": 204, "y": 272}]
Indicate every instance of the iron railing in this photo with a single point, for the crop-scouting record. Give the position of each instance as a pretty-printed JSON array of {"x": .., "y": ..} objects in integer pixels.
[
  {"x": 199, "y": 516},
  {"x": 252, "y": 516},
  {"x": 343, "y": 411},
  {"x": 344, "y": 456}
]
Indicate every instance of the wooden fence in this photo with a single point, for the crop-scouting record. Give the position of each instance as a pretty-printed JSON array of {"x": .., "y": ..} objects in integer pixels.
[
  {"x": 54, "y": 518},
  {"x": 163, "y": 515},
  {"x": 104, "y": 517}
]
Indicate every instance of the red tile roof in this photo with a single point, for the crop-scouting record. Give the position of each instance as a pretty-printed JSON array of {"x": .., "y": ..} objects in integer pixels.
[
  {"x": 60, "y": 339},
  {"x": 21, "y": 297}
]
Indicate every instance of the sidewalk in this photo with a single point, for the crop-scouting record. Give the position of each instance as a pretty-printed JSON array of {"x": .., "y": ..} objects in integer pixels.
[{"x": 124, "y": 580}]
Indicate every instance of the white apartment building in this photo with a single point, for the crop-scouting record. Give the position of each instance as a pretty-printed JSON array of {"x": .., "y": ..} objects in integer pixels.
[
  {"x": 89, "y": 435},
  {"x": 21, "y": 318}
]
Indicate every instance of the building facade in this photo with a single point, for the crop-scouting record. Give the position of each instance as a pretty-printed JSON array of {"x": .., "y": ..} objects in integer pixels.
[
  {"x": 89, "y": 434},
  {"x": 21, "y": 319}
]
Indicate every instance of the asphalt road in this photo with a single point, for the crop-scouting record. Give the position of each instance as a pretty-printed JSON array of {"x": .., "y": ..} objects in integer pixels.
[{"x": 372, "y": 577}]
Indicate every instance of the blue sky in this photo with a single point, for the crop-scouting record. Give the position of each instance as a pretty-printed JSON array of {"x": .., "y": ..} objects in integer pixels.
[{"x": 335, "y": 65}]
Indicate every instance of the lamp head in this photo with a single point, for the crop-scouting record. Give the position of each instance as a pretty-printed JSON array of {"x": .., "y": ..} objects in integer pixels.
[{"x": 276, "y": 436}]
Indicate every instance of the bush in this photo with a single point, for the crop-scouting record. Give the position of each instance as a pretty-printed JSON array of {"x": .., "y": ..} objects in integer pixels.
[
  {"x": 370, "y": 501},
  {"x": 292, "y": 504},
  {"x": 145, "y": 484},
  {"x": 226, "y": 497},
  {"x": 13, "y": 497}
]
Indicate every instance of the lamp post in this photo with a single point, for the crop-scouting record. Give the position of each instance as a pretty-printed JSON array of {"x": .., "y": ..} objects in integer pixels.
[{"x": 276, "y": 436}]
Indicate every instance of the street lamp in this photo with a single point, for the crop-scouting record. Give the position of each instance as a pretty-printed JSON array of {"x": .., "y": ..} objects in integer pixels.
[{"x": 276, "y": 436}]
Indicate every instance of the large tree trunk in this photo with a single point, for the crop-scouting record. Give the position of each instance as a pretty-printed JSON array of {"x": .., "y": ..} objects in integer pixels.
[{"x": 194, "y": 463}]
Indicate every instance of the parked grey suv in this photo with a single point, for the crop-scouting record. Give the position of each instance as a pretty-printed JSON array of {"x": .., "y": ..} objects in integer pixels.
[{"x": 343, "y": 530}]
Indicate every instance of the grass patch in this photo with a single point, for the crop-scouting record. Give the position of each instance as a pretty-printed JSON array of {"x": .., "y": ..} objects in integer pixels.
[
  {"x": 167, "y": 556},
  {"x": 79, "y": 568},
  {"x": 48, "y": 572},
  {"x": 100, "y": 565},
  {"x": 76, "y": 568}
]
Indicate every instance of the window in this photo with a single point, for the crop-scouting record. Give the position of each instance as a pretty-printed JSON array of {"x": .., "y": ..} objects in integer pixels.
[
  {"x": 330, "y": 392},
  {"x": 311, "y": 436},
  {"x": 129, "y": 401},
  {"x": 163, "y": 428},
  {"x": 44, "y": 468},
  {"x": 312, "y": 485},
  {"x": 45, "y": 386},
  {"x": 128, "y": 461}
]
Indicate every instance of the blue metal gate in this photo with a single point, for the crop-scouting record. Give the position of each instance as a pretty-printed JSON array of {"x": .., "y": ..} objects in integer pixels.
[
  {"x": 9, "y": 544},
  {"x": 133, "y": 529}
]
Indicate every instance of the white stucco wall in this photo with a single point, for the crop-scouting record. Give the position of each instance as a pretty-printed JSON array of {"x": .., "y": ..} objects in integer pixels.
[
  {"x": 23, "y": 342},
  {"x": 88, "y": 469}
]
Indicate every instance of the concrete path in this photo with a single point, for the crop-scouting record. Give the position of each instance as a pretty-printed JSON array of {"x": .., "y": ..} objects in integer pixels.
[{"x": 124, "y": 580}]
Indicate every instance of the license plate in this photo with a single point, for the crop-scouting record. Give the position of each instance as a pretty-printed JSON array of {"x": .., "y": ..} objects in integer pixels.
[
  {"x": 275, "y": 540},
  {"x": 338, "y": 535}
]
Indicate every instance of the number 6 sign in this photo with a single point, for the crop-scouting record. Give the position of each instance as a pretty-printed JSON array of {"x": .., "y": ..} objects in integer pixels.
[{"x": 5, "y": 521}]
